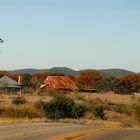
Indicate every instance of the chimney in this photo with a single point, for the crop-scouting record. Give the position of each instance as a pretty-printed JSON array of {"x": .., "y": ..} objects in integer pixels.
[{"x": 19, "y": 79}]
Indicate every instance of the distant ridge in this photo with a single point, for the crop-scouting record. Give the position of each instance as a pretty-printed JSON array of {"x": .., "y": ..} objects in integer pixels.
[{"x": 68, "y": 71}]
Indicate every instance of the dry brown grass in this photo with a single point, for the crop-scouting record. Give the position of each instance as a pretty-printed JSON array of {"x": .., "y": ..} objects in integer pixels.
[
  {"x": 113, "y": 118},
  {"x": 5, "y": 100},
  {"x": 7, "y": 121},
  {"x": 110, "y": 97},
  {"x": 95, "y": 122}
]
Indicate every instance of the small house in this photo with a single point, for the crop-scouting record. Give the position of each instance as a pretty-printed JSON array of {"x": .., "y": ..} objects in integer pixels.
[{"x": 9, "y": 85}]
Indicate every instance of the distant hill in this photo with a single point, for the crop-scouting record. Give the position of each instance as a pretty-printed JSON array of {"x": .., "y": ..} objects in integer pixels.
[
  {"x": 23, "y": 71},
  {"x": 115, "y": 72},
  {"x": 65, "y": 70},
  {"x": 68, "y": 71}
]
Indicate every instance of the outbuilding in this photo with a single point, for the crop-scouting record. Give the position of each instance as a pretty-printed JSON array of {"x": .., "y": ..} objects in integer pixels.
[{"x": 59, "y": 83}]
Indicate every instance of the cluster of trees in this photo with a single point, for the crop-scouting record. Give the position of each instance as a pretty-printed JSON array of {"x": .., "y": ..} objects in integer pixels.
[{"x": 91, "y": 79}]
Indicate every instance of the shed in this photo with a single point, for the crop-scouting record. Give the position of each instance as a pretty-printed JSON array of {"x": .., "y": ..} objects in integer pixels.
[{"x": 59, "y": 83}]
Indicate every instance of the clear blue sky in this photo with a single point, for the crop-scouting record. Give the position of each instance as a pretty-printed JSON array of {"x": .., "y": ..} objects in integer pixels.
[{"x": 78, "y": 34}]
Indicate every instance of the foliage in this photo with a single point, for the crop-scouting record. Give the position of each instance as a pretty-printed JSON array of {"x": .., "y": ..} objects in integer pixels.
[
  {"x": 60, "y": 107},
  {"x": 37, "y": 79},
  {"x": 26, "y": 80},
  {"x": 78, "y": 111},
  {"x": 126, "y": 123},
  {"x": 51, "y": 93},
  {"x": 87, "y": 79},
  {"x": 24, "y": 112},
  {"x": 19, "y": 100},
  {"x": 120, "y": 108},
  {"x": 112, "y": 84},
  {"x": 136, "y": 112},
  {"x": 99, "y": 112},
  {"x": 133, "y": 81},
  {"x": 39, "y": 104}
]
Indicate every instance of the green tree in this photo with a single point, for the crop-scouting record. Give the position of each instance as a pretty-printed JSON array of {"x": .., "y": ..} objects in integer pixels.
[
  {"x": 27, "y": 80},
  {"x": 112, "y": 84}
]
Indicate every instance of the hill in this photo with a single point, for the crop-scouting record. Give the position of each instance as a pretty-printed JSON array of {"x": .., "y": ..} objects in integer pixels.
[
  {"x": 68, "y": 71},
  {"x": 115, "y": 72}
]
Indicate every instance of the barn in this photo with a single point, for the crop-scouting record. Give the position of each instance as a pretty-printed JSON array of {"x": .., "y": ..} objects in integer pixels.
[{"x": 59, "y": 83}]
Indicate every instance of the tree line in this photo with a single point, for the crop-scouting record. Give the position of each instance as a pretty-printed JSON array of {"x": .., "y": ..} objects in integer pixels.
[{"x": 88, "y": 79}]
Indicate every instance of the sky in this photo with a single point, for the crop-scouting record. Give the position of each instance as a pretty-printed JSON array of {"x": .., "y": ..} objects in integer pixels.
[{"x": 79, "y": 34}]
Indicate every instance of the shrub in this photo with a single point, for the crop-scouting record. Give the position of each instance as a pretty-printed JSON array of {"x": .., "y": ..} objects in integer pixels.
[
  {"x": 98, "y": 112},
  {"x": 60, "y": 107},
  {"x": 39, "y": 104},
  {"x": 51, "y": 93},
  {"x": 78, "y": 111},
  {"x": 138, "y": 99},
  {"x": 126, "y": 123},
  {"x": 120, "y": 108},
  {"x": 20, "y": 112},
  {"x": 136, "y": 112},
  {"x": 19, "y": 100},
  {"x": 39, "y": 107}
]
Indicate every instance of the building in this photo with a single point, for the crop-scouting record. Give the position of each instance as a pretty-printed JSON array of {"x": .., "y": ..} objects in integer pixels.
[
  {"x": 59, "y": 83},
  {"x": 9, "y": 85}
]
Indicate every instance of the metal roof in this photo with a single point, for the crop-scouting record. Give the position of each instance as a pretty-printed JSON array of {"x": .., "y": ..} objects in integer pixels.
[
  {"x": 8, "y": 82},
  {"x": 60, "y": 82}
]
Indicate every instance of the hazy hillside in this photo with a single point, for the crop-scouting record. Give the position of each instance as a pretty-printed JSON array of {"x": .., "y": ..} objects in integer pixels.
[
  {"x": 23, "y": 71},
  {"x": 64, "y": 70},
  {"x": 115, "y": 72},
  {"x": 68, "y": 71}
]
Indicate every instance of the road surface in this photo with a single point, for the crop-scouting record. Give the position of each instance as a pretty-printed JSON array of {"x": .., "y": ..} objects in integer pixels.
[
  {"x": 64, "y": 131},
  {"x": 39, "y": 131}
]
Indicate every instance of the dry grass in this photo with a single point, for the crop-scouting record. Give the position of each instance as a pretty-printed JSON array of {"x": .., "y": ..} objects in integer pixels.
[
  {"x": 110, "y": 97},
  {"x": 5, "y": 100},
  {"x": 113, "y": 118},
  {"x": 95, "y": 122},
  {"x": 7, "y": 121}
]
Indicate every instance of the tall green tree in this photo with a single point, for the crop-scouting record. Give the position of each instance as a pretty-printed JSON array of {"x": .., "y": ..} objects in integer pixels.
[{"x": 27, "y": 80}]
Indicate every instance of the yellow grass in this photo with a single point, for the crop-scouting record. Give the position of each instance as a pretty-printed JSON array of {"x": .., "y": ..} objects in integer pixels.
[
  {"x": 7, "y": 121},
  {"x": 113, "y": 117},
  {"x": 110, "y": 97}
]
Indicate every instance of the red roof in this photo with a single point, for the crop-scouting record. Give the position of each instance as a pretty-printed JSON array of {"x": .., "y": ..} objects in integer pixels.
[{"x": 59, "y": 82}]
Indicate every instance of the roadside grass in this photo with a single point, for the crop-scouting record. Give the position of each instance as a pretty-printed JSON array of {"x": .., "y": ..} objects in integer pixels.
[{"x": 117, "y": 110}]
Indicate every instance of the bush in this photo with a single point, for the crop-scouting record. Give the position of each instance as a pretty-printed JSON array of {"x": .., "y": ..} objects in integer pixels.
[
  {"x": 136, "y": 112},
  {"x": 51, "y": 93},
  {"x": 126, "y": 123},
  {"x": 78, "y": 111},
  {"x": 19, "y": 100},
  {"x": 20, "y": 113},
  {"x": 60, "y": 107},
  {"x": 120, "y": 108},
  {"x": 39, "y": 105},
  {"x": 98, "y": 112}
]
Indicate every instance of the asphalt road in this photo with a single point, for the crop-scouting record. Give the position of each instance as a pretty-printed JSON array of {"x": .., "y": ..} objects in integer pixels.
[
  {"x": 64, "y": 131},
  {"x": 39, "y": 131},
  {"x": 117, "y": 135}
]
